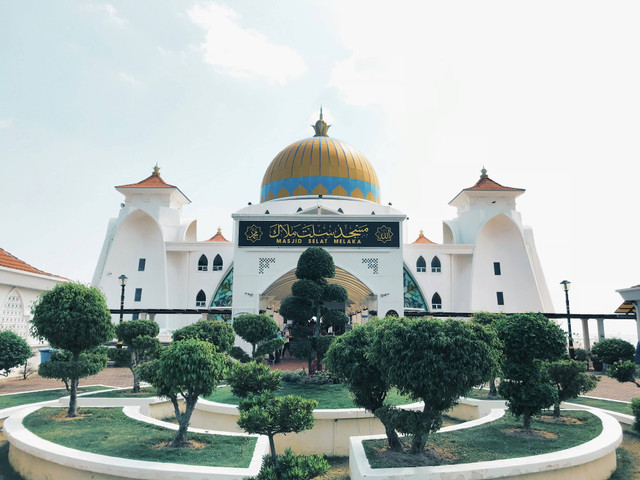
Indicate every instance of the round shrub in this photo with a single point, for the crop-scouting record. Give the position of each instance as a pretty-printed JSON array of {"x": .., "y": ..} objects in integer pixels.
[{"x": 611, "y": 350}]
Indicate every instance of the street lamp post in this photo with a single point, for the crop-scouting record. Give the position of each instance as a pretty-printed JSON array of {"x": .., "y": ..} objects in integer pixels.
[
  {"x": 565, "y": 286},
  {"x": 123, "y": 283}
]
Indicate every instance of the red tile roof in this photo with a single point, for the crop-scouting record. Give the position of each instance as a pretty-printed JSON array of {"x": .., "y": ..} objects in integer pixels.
[
  {"x": 218, "y": 237},
  {"x": 422, "y": 239},
  {"x": 486, "y": 184},
  {"x": 9, "y": 261},
  {"x": 152, "y": 181}
]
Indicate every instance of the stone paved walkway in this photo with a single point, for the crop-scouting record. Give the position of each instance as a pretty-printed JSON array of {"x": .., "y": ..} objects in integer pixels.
[{"x": 114, "y": 377}]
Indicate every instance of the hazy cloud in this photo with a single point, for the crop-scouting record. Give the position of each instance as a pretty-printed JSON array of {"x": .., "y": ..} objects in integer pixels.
[
  {"x": 243, "y": 52},
  {"x": 113, "y": 15},
  {"x": 130, "y": 79},
  {"x": 6, "y": 123}
]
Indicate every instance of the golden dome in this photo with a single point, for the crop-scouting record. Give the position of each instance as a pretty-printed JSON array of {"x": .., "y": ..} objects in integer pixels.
[{"x": 320, "y": 166}]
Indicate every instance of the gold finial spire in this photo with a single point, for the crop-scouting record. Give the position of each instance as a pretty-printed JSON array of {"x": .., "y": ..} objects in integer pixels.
[
  {"x": 421, "y": 233},
  {"x": 156, "y": 171},
  {"x": 219, "y": 231},
  {"x": 484, "y": 173},
  {"x": 321, "y": 126}
]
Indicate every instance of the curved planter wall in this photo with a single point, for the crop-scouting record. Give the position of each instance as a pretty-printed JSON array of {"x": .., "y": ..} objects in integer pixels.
[
  {"x": 38, "y": 459},
  {"x": 595, "y": 460},
  {"x": 331, "y": 431}
]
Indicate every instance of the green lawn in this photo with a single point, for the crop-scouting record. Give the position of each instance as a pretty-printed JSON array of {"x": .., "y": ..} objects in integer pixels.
[
  {"x": 328, "y": 396},
  {"x": 108, "y": 431},
  {"x": 492, "y": 442},
  {"x": 15, "y": 399},
  {"x": 604, "y": 404}
]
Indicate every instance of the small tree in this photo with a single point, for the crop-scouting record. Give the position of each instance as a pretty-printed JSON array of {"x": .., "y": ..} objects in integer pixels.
[
  {"x": 14, "y": 351},
  {"x": 292, "y": 467},
  {"x": 187, "y": 368},
  {"x": 349, "y": 358},
  {"x": 612, "y": 350},
  {"x": 570, "y": 378},
  {"x": 73, "y": 317},
  {"x": 626, "y": 371},
  {"x": 216, "y": 332},
  {"x": 528, "y": 339},
  {"x": 311, "y": 294},
  {"x": 261, "y": 411},
  {"x": 61, "y": 365},
  {"x": 257, "y": 330},
  {"x": 140, "y": 337},
  {"x": 310, "y": 304},
  {"x": 253, "y": 378},
  {"x": 434, "y": 361},
  {"x": 269, "y": 415},
  {"x": 489, "y": 320}
]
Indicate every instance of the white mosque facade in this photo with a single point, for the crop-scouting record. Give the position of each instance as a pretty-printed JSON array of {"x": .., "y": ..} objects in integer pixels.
[{"x": 320, "y": 191}]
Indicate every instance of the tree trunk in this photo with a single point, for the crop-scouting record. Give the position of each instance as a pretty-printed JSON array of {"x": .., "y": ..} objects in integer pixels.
[
  {"x": 73, "y": 395},
  {"x": 272, "y": 448},
  {"x": 527, "y": 421},
  {"x": 556, "y": 410},
  {"x": 180, "y": 440},
  {"x": 136, "y": 379},
  {"x": 418, "y": 443},
  {"x": 393, "y": 439}
]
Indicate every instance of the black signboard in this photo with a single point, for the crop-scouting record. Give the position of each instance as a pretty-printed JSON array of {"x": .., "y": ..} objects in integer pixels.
[{"x": 321, "y": 234}]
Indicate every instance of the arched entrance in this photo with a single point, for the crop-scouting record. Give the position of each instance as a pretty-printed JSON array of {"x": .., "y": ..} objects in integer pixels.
[{"x": 360, "y": 296}]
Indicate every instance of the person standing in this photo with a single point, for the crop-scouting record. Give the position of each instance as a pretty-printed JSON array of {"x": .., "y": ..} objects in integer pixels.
[{"x": 287, "y": 337}]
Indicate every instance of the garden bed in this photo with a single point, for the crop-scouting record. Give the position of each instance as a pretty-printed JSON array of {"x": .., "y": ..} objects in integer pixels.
[
  {"x": 108, "y": 444},
  {"x": 587, "y": 455}
]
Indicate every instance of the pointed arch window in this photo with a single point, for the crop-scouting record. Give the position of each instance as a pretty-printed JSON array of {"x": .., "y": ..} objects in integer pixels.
[
  {"x": 421, "y": 265},
  {"x": 203, "y": 263},
  {"x": 436, "y": 302},
  {"x": 217, "y": 264},
  {"x": 436, "y": 267},
  {"x": 201, "y": 299}
]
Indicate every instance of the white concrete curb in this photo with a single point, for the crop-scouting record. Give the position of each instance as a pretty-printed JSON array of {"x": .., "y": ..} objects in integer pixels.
[
  {"x": 25, "y": 441},
  {"x": 544, "y": 464}
]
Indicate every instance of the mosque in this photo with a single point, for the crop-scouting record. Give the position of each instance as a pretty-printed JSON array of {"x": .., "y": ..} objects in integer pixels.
[{"x": 320, "y": 191}]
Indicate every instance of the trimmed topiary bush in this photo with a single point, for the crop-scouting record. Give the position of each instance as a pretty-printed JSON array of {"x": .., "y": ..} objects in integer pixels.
[
  {"x": 611, "y": 350},
  {"x": 635, "y": 407}
]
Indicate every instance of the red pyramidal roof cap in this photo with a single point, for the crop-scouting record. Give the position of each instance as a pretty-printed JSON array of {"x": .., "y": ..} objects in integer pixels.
[
  {"x": 152, "y": 181},
  {"x": 218, "y": 237},
  {"x": 9, "y": 261},
  {"x": 486, "y": 184},
  {"x": 422, "y": 239}
]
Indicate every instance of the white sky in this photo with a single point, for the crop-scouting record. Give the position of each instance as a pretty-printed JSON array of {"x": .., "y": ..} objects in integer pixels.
[{"x": 545, "y": 95}]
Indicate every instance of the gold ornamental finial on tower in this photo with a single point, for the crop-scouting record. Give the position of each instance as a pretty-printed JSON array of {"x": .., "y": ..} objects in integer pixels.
[
  {"x": 321, "y": 126},
  {"x": 156, "y": 171},
  {"x": 484, "y": 173}
]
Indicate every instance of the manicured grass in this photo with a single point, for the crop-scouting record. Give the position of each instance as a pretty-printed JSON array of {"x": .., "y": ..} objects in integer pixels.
[
  {"x": 108, "y": 431},
  {"x": 15, "y": 399},
  {"x": 628, "y": 457},
  {"x": 604, "y": 404},
  {"x": 494, "y": 442},
  {"x": 328, "y": 396},
  {"x": 144, "y": 392}
]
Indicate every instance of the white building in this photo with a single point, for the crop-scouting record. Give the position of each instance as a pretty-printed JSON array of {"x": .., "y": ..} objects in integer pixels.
[
  {"x": 321, "y": 191},
  {"x": 20, "y": 286}
]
